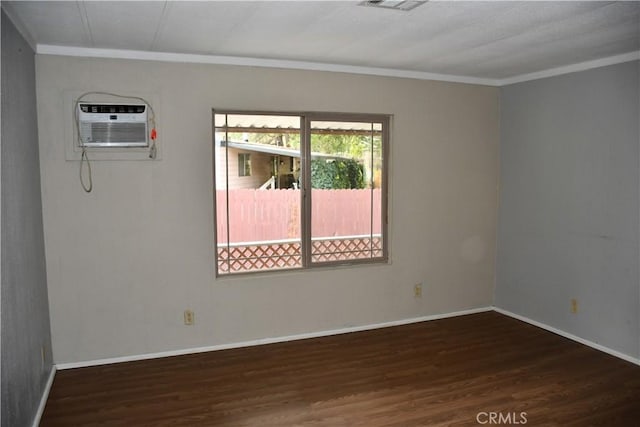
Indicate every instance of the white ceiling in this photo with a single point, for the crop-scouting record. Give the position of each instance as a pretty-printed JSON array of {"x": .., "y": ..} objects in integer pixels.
[{"x": 484, "y": 40}]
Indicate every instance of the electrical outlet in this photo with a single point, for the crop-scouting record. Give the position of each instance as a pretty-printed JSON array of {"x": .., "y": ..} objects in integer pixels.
[
  {"x": 189, "y": 317},
  {"x": 574, "y": 305},
  {"x": 417, "y": 290}
]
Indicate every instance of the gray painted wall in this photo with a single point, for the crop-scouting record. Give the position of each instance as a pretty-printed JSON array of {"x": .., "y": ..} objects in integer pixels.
[
  {"x": 568, "y": 219},
  {"x": 25, "y": 311}
]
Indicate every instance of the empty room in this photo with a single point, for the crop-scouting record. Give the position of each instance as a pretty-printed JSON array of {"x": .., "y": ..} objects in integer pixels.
[{"x": 320, "y": 213}]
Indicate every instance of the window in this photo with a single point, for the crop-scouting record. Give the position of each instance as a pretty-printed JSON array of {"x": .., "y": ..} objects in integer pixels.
[
  {"x": 316, "y": 193},
  {"x": 244, "y": 164}
]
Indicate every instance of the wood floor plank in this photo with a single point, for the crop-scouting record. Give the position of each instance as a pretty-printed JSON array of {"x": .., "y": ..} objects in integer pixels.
[{"x": 438, "y": 373}]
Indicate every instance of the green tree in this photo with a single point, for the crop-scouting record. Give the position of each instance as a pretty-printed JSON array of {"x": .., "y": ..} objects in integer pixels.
[
  {"x": 347, "y": 145},
  {"x": 336, "y": 174}
]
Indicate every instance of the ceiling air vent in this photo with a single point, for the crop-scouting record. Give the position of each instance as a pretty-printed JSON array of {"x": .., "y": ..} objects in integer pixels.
[{"x": 393, "y": 4}]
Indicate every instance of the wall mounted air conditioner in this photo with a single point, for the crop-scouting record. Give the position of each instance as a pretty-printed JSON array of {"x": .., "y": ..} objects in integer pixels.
[{"x": 112, "y": 125}]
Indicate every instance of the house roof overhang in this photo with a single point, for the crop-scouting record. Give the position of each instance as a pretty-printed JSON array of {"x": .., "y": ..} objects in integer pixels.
[{"x": 277, "y": 150}]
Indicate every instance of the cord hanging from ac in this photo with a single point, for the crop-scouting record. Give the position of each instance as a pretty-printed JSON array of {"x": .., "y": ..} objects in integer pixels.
[{"x": 153, "y": 134}]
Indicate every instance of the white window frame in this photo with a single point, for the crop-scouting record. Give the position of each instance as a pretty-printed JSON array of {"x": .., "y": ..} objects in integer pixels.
[{"x": 305, "y": 193}]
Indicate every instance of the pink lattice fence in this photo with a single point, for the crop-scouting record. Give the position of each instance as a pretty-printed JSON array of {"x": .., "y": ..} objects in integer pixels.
[
  {"x": 256, "y": 256},
  {"x": 263, "y": 229}
]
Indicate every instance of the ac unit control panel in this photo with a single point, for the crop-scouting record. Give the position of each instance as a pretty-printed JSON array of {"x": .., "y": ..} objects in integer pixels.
[{"x": 112, "y": 125}]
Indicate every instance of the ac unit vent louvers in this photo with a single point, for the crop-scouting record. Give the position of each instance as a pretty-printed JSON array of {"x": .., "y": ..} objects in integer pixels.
[{"x": 115, "y": 133}]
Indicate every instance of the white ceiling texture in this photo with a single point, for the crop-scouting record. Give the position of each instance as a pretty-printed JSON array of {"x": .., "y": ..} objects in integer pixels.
[{"x": 486, "y": 42}]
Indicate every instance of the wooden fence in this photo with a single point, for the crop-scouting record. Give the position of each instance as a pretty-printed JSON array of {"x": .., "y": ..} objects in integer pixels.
[
  {"x": 264, "y": 227},
  {"x": 265, "y": 215}
]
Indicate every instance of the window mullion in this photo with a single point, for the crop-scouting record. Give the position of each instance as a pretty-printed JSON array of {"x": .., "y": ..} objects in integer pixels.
[
  {"x": 371, "y": 169},
  {"x": 305, "y": 153},
  {"x": 226, "y": 192}
]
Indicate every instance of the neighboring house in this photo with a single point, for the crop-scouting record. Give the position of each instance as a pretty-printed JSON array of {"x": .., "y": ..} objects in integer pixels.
[
  {"x": 265, "y": 166},
  {"x": 248, "y": 167}
]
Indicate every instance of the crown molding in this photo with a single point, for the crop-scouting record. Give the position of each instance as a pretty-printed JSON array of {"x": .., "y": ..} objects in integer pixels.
[
  {"x": 45, "y": 49},
  {"x": 582, "y": 66}
]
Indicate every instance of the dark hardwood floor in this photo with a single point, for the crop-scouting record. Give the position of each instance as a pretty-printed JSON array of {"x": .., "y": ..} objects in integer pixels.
[{"x": 451, "y": 372}]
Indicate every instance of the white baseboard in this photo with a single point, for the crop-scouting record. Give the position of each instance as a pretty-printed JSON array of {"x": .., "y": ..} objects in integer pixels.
[
  {"x": 569, "y": 336},
  {"x": 272, "y": 340},
  {"x": 44, "y": 397},
  {"x": 45, "y": 394},
  {"x": 263, "y": 341}
]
